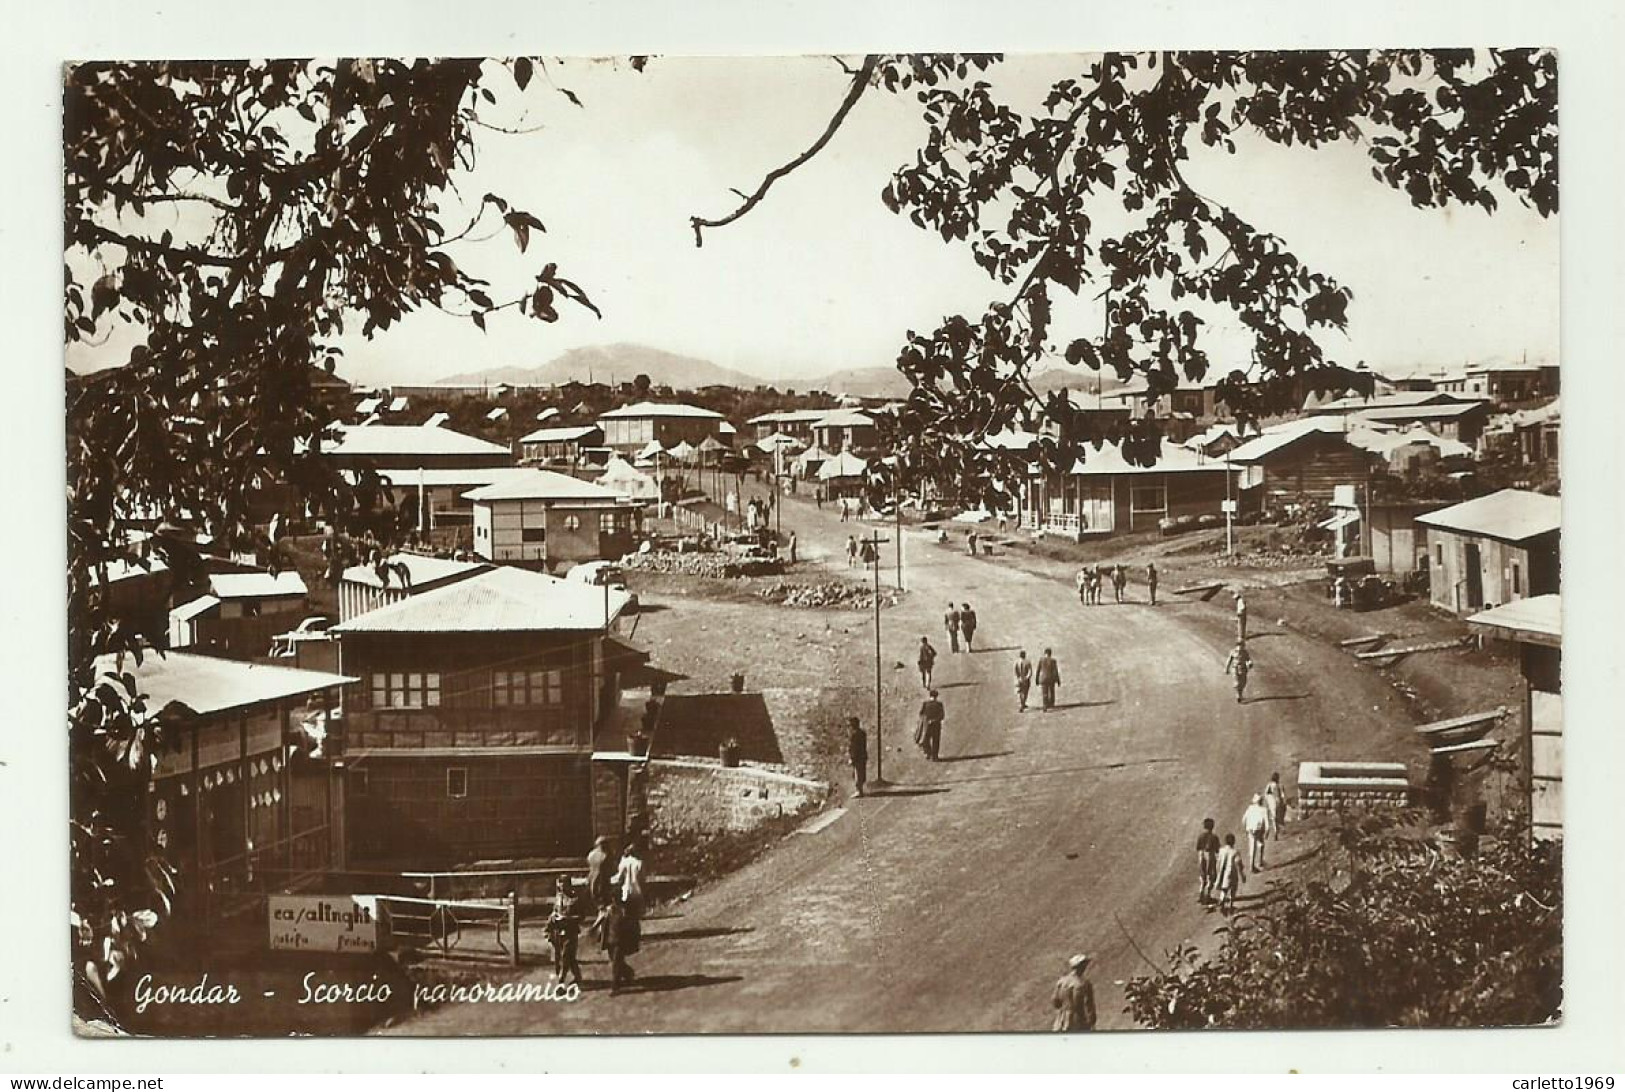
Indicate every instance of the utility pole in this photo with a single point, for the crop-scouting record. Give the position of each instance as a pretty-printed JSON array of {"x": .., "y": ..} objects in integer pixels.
[
  {"x": 1229, "y": 512},
  {"x": 874, "y": 542}
]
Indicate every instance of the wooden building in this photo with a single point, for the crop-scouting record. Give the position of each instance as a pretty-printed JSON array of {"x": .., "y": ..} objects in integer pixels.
[
  {"x": 1300, "y": 459},
  {"x": 471, "y": 734},
  {"x": 240, "y": 614},
  {"x": 630, "y": 429},
  {"x": 1105, "y": 494},
  {"x": 850, "y": 430},
  {"x": 543, "y": 518},
  {"x": 1535, "y": 626},
  {"x": 241, "y": 798},
  {"x": 794, "y": 423},
  {"x": 1460, "y": 421},
  {"x": 368, "y": 587},
  {"x": 1493, "y": 550},
  {"x": 563, "y": 446}
]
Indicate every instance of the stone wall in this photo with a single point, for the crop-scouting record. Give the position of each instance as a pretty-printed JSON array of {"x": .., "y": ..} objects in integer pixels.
[
  {"x": 694, "y": 796},
  {"x": 1324, "y": 786}
]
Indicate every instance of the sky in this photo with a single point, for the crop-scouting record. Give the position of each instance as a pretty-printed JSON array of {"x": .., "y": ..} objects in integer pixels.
[{"x": 821, "y": 276}]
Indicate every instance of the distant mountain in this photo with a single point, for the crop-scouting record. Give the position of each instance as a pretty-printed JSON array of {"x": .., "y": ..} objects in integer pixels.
[
  {"x": 878, "y": 382},
  {"x": 618, "y": 363}
]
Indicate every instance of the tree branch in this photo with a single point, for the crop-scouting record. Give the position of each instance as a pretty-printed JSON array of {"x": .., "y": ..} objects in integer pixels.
[{"x": 860, "y": 83}]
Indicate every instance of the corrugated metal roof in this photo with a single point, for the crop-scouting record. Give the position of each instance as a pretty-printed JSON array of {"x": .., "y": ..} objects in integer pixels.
[
  {"x": 367, "y": 440},
  {"x": 257, "y": 585},
  {"x": 1540, "y": 616},
  {"x": 422, "y": 570},
  {"x": 542, "y": 485},
  {"x": 1276, "y": 439},
  {"x": 210, "y": 684},
  {"x": 469, "y": 477},
  {"x": 504, "y": 600},
  {"x": 1511, "y": 515},
  {"x": 437, "y": 419},
  {"x": 559, "y": 435},
  {"x": 1420, "y": 413},
  {"x": 1108, "y": 460},
  {"x": 188, "y": 611},
  {"x": 660, "y": 409},
  {"x": 844, "y": 418},
  {"x": 787, "y": 416}
]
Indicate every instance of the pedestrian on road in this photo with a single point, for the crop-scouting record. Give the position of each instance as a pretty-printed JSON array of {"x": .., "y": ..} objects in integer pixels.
[
  {"x": 951, "y": 621},
  {"x": 792, "y": 547},
  {"x": 1074, "y": 998},
  {"x": 818, "y": 495},
  {"x": 1049, "y": 677},
  {"x": 1003, "y": 524},
  {"x": 1256, "y": 822},
  {"x": 1207, "y": 861},
  {"x": 1240, "y": 664},
  {"x": 564, "y": 932},
  {"x": 851, "y": 550},
  {"x": 1241, "y": 616},
  {"x": 619, "y": 941},
  {"x": 1024, "y": 680},
  {"x": 970, "y": 541},
  {"x": 1083, "y": 587},
  {"x": 1119, "y": 581},
  {"x": 846, "y": 511},
  {"x": 1275, "y": 800},
  {"x": 867, "y": 554},
  {"x": 928, "y": 660},
  {"x": 1150, "y": 578},
  {"x": 1231, "y": 873},
  {"x": 857, "y": 750},
  {"x": 1095, "y": 581},
  {"x": 600, "y": 867},
  {"x": 967, "y": 624},
  {"x": 929, "y": 733},
  {"x": 628, "y": 882}
]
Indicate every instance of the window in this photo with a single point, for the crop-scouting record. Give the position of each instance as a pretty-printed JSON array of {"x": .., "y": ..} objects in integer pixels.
[
  {"x": 457, "y": 782},
  {"x": 525, "y": 688},
  {"x": 405, "y": 689},
  {"x": 572, "y": 523},
  {"x": 1148, "y": 498},
  {"x": 1517, "y": 579},
  {"x": 608, "y": 523},
  {"x": 533, "y": 534},
  {"x": 1438, "y": 554}
]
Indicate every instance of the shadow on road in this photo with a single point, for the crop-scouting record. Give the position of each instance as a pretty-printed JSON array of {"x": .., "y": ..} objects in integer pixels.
[
  {"x": 904, "y": 790},
  {"x": 1083, "y": 704},
  {"x": 1001, "y": 648},
  {"x": 665, "y": 983},
  {"x": 972, "y": 758},
  {"x": 696, "y": 934},
  {"x": 955, "y": 685},
  {"x": 1307, "y": 855},
  {"x": 1274, "y": 697},
  {"x": 1061, "y": 771}
]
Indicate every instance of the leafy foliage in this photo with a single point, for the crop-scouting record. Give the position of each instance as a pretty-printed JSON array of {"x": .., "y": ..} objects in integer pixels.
[
  {"x": 238, "y": 217},
  {"x": 1406, "y": 936}
]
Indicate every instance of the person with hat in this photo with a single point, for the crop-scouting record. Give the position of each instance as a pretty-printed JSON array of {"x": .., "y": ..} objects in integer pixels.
[
  {"x": 1049, "y": 677},
  {"x": 927, "y": 662},
  {"x": 1073, "y": 998},
  {"x": 600, "y": 867},
  {"x": 857, "y": 750},
  {"x": 929, "y": 733},
  {"x": 1024, "y": 680}
]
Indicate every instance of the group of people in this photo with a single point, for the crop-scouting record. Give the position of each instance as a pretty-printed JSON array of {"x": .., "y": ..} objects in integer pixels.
[
  {"x": 1047, "y": 673},
  {"x": 615, "y": 892},
  {"x": 1220, "y": 868},
  {"x": 859, "y": 552},
  {"x": 959, "y": 621},
  {"x": 1092, "y": 578}
]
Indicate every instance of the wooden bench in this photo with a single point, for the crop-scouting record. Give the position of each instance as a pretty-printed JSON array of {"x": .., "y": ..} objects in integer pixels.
[{"x": 1464, "y": 733}]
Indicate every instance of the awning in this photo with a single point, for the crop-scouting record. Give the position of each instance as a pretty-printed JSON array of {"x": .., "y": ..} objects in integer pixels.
[{"x": 1339, "y": 521}]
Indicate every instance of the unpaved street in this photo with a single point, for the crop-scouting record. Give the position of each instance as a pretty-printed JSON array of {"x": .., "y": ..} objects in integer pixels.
[{"x": 952, "y": 902}]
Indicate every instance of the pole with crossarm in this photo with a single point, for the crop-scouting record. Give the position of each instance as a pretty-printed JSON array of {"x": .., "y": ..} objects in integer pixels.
[{"x": 874, "y": 541}]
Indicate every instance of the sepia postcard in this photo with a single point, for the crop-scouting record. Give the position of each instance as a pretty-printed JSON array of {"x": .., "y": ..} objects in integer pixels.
[{"x": 889, "y": 543}]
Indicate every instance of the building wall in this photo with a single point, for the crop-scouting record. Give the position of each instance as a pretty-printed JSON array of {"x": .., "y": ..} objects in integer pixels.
[
  {"x": 538, "y": 532},
  {"x": 631, "y": 433},
  {"x": 427, "y": 461},
  {"x": 1111, "y": 504},
  {"x": 836, "y": 439},
  {"x": 1543, "y": 716},
  {"x": 405, "y": 810},
  {"x": 1315, "y": 467},
  {"x": 1505, "y": 573}
]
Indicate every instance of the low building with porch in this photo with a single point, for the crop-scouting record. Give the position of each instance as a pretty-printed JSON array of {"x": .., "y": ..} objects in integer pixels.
[
  {"x": 847, "y": 430},
  {"x": 1493, "y": 550},
  {"x": 241, "y": 800},
  {"x": 472, "y": 733},
  {"x": 1106, "y": 494},
  {"x": 795, "y": 423},
  {"x": 560, "y": 446},
  {"x": 1535, "y": 627},
  {"x": 542, "y": 518},
  {"x": 630, "y": 429}
]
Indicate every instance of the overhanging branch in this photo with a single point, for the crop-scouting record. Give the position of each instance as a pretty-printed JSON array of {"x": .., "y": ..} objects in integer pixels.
[{"x": 860, "y": 83}]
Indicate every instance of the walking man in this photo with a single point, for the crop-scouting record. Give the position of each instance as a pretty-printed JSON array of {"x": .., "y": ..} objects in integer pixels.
[
  {"x": 951, "y": 621},
  {"x": 1275, "y": 800},
  {"x": 1256, "y": 821},
  {"x": 1119, "y": 582},
  {"x": 1049, "y": 677},
  {"x": 1094, "y": 585},
  {"x": 1073, "y": 998},
  {"x": 928, "y": 660},
  {"x": 1241, "y": 616},
  {"x": 1231, "y": 873},
  {"x": 851, "y": 550},
  {"x": 1207, "y": 861},
  {"x": 1239, "y": 664},
  {"x": 867, "y": 554},
  {"x": 929, "y": 734},
  {"x": 1150, "y": 574},
  {"x": 564, "y": 932},
  {"x": 857, "y": 750},
  {"x": 967, "y": 624},
  {"x": 792, "y": 547},
  {"x": 970, "y": 541},
  {"x": 1024, "y": 680},
  {"x": 600, "y": 867},
  {"x": 1083, "y": 587}
]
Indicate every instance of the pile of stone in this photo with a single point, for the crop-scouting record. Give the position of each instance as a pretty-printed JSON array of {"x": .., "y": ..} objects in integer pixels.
[
  {"x": 828, "y": 595},
  {"x": 717, "y": 566}
]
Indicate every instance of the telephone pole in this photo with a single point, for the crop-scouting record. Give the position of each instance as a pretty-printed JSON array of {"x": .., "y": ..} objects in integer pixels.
[{"x": 874, "y": 542}]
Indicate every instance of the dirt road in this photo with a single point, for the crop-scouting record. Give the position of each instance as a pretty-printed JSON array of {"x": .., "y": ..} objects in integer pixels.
[{"x": 952, "y": 902}]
